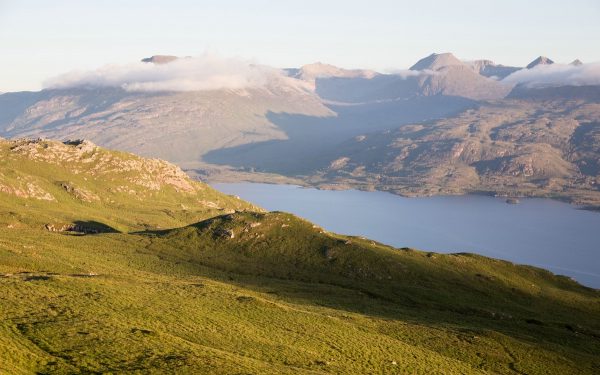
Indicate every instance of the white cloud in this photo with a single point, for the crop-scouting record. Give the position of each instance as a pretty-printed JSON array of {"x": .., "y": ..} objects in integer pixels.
[
  {"x": 202, "y": 73},
  {"x": 407, "y": 73},
  {"x": 557, "y": 75}
]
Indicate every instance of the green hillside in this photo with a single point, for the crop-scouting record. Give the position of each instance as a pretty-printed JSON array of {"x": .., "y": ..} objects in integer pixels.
[
  {"x": 174, "y": 277},
  {"x": 48, "y": 182}
]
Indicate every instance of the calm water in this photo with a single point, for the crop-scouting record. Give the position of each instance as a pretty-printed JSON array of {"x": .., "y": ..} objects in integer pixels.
[{"x": 539, "y": 232}]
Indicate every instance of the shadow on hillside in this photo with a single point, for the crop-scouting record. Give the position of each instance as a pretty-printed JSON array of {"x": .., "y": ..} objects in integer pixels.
[
  {"x": 92, "y": 227},
  {"x": 421, "y": 292},
  {"x": 465, "y": 312},
  {"x": 312, "y": 140},
  {"x": 585, "y": 141}
]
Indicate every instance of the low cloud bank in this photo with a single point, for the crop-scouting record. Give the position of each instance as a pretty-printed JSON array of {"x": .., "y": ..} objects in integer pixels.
[
  {"x": 557, "y": 75},
  {"x": 202, "y": 73},
  {"x": 408, "y": 73}
]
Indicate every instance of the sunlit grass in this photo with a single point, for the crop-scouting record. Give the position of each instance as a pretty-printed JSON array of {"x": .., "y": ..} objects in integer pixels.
[{"x": 182, "y": 286}]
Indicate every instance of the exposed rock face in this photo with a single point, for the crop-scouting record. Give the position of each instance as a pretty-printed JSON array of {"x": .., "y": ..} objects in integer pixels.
[
  {"x": 24, "y": 188},
  {"x": 224, "y": 233},
  {"x": 83, "y": 145},
  {"x": 339, "y": 163},
  {"x": 78, "y": 228},
  {"x": 79, "y": 193},
  {"x": 480, "y": 65},
  {"x": 542, "y": 60}
]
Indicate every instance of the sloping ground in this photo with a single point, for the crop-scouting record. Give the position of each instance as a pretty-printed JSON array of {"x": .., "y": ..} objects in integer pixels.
[
  {"x": 280, "y": 296},
  {"x": 532, "y": 146},
  {"x": 60, "y": 185},
  {"x": 242, "y": 291}
]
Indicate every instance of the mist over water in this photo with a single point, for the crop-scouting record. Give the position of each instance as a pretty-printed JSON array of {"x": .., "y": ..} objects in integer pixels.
[{"x": 540, "y": 232}]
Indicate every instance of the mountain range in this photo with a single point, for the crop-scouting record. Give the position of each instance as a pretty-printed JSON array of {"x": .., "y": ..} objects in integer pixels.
[{"x": 442, "y": 126}]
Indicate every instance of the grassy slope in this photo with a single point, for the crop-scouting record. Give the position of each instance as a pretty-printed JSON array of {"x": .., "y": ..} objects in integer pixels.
[
  {"x": 120, "y": 190},
  {"x": 281, "y": 296}
]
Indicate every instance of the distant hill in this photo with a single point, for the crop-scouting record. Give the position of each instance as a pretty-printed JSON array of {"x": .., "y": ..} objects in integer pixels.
[
  {"x": 177, "y": 126},
  {"x": 540, "y": 143},
  {"x": 453, "y": 77}
]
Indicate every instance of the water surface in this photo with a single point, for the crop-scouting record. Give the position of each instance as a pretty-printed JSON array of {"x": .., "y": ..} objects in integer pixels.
[{"x": 541, "y": 232}]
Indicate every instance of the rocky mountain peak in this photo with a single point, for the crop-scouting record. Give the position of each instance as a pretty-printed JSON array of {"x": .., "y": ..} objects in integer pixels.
[
  {"x": 576, "y": 62},
  {"x": 437, "y": 61},
  {"x": 159, "y": 59},
  {"x": 542, "y": 60}
]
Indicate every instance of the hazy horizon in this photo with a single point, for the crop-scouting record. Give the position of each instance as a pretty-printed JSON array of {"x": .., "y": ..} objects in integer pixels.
[{"x": 42, "y": 40}]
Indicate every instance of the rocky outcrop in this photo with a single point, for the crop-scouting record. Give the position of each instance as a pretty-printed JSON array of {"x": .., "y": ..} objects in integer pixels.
[
  {"x": 83, "y": 155},
  {"x": 24, "y": 187},
  {"x": 224, "y": 233},
  {"x": 79, "y": 193},
  {"x": 76, "y": 228}
]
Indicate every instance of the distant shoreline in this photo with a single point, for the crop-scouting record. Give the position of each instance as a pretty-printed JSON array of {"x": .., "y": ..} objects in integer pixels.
[{"x": 256, "y": 177}]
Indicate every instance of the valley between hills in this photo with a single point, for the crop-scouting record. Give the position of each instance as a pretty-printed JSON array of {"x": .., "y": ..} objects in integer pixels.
[{"x": 113, "y": 263}]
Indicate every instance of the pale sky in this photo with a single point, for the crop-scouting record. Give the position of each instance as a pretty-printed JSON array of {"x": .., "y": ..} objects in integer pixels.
[{"x": 40, "y": 39}]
